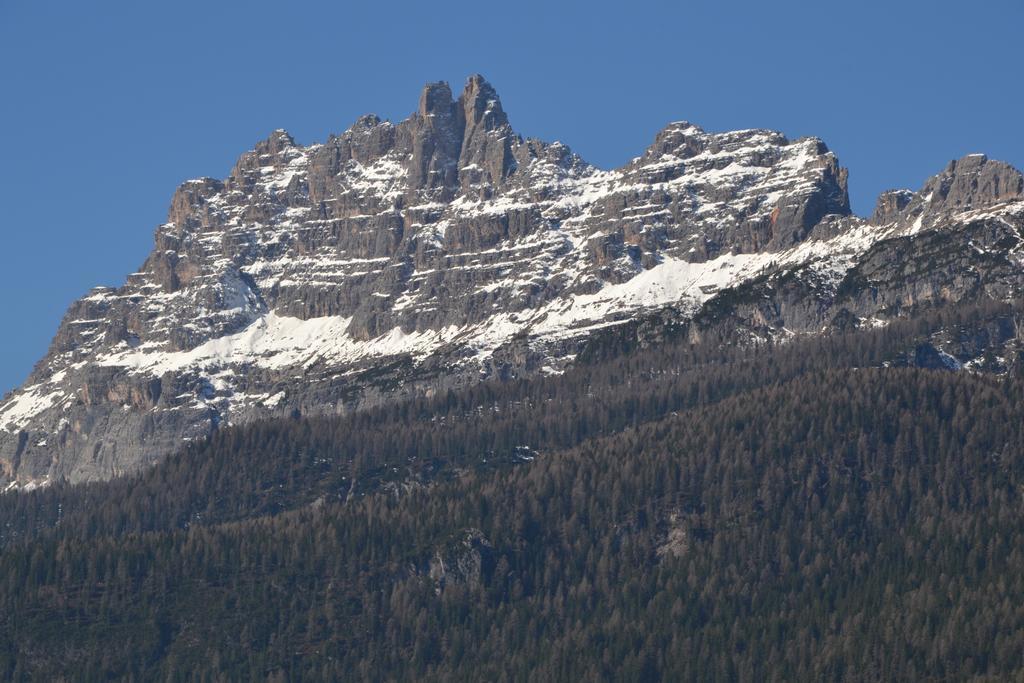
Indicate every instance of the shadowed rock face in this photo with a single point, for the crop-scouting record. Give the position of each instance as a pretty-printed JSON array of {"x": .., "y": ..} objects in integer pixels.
[
  {"x": 889, "y": 206},
  {"x": 402, "y": 258}
]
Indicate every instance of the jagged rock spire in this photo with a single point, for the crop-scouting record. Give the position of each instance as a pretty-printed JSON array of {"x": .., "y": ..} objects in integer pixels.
[
  {"x": 487, "y": 155},
  {"x": 461, "y": 143}
]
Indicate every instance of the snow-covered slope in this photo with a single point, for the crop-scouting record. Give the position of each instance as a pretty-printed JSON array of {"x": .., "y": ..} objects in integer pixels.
[{"x": 398, "y": 258}]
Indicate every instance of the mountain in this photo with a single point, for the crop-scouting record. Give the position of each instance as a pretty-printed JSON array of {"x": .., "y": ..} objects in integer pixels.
[{"x": 403, "y": 260}]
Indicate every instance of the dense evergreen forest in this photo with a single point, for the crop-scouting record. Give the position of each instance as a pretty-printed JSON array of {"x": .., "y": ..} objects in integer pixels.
[{"x": 820, "y": 510}]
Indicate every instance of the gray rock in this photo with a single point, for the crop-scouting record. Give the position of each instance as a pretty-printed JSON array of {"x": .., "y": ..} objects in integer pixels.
[{"x": 400, "y": 259}]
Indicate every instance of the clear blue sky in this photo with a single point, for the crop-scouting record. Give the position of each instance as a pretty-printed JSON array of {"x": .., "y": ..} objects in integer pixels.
[{"x": 107, "y": 106}]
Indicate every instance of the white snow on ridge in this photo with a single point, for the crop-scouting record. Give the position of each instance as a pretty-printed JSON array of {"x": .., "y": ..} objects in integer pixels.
[
  {"x": 26, "y": 404},
  {"x": 276, "y": 342},
  {"x": 672, "y": 281}
]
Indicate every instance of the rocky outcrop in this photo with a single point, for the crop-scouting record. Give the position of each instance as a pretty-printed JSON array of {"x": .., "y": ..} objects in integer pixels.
[
  {"x": 969, "y": 184},
  {"x": 890, "y": 205},
  {"x": 465, "y": 562},
  {"x": 398, "y": 258}
]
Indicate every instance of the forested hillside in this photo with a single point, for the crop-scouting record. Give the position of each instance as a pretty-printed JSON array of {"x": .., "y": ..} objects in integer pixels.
[{"x": 826, "y": 509}]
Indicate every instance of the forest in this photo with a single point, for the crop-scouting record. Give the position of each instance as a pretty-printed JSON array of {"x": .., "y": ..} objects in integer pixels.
[{"x": 817, "y": 510}]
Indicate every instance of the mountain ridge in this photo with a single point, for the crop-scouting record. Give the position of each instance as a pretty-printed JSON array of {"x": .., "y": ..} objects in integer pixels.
[{"x": 395, "y": 259}]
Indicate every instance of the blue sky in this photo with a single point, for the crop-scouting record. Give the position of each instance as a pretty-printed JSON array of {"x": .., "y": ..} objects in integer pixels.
[{"x": 108, "y": 106}]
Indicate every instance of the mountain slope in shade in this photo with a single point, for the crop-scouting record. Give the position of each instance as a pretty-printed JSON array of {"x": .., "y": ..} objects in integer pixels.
[{"x": 403, "y": 258}]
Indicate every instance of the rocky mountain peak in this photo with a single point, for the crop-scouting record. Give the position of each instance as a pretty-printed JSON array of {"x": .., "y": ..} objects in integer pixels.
[
  {"x": 399, "y": 258},
  {"x": 481, "y": 105},
  {"x": 681, "y": 138},
  {"x": 435, "y": 100},
  {"x": 277, "y": 150},
  {"x": 486, "y": 157},
  {"x": 975, "y": 181},
  {"x": 971, "y": 183},
  {"x": 366, "y": 122},
  {"x": 436, "y": 139},
  {"x": 890, "y": 205},
  {"x": 276, "y": 142},
  {"x": 463, "y": 145}
]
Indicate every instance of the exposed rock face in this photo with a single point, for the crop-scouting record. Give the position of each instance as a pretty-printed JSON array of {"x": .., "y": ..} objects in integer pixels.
[
  {"x": 889, "y": 206},
  {"x": 957, "y": 239},
  {"x": 463, "y": 562},
  {"x": 969, "y": 184},
  {"x": 408, "y": 257}
]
